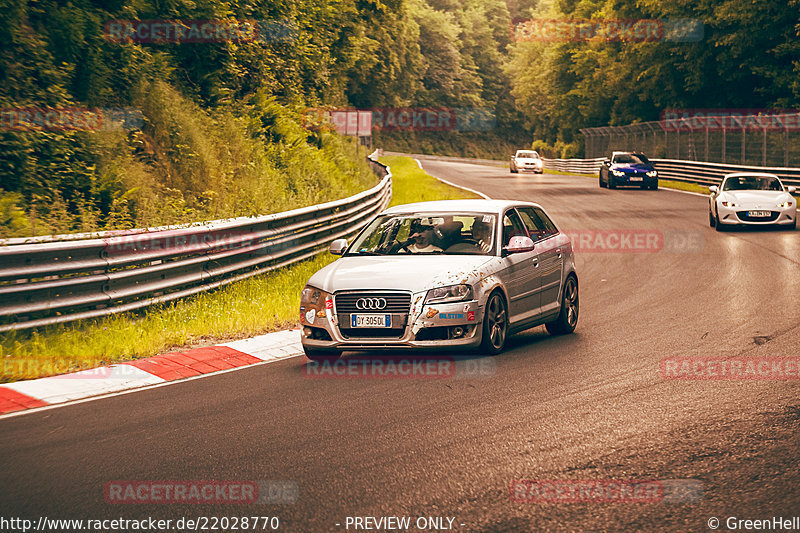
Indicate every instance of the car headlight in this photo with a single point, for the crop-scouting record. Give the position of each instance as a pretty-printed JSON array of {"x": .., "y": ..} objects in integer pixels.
[
  {"x": 728, "y": 203},
  {"x": 652, "y": 174},
  {"x": 617, "y": 172},
  {"x": 310, "y": 296},
  {"x": 787, "y": 203},
  {"x": 451, "y": 293}
]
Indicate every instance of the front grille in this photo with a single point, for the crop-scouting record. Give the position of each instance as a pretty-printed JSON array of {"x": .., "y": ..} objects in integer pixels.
[
  {"x": 396, "y": 302},
  {"x": 371, "y": 333},
  {"x": 747, "y": 218}
]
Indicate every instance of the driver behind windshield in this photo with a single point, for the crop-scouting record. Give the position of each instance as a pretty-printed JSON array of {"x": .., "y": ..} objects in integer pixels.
[{"x": 421, "y": 239}]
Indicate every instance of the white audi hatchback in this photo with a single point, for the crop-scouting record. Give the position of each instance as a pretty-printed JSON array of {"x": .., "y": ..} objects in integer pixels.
[{"x": 455, "y": 273}]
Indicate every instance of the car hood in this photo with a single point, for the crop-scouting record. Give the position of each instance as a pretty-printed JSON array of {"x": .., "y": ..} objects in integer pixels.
[
  {"x": 752, "y": 198},
  {"x": 401, "y": 272},
  {"x": 639, "y": 167},
  {"x": 527, "y": 160}
]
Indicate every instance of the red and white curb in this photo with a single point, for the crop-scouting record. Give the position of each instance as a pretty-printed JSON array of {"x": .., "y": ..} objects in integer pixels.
[{"x": 156, "y": 370}]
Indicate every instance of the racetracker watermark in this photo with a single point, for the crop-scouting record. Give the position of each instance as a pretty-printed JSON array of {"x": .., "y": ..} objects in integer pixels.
[
  {"x": 201, "y": 492},
  {"x": 397, "y": 367},
  {"x": 179, "y": 242},
  {"x": 625, "y": 30},
  {"x": 422, "y": 119},
  {"x": 625, "y": 241},
  {"x": 605, "y": 491},
  {"x": 66, "y": 368},
  {"x": 199, "y": 31},
  {"x": 37, "y": 119},
  {"x": 730, "y": 368},
  {"x": 730, "y": 119}
]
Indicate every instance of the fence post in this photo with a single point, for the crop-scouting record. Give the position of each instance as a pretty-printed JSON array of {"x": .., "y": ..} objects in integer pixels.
[
  {"x": 786, "y": 145},
  {"x": 764, "y": 147},
  {"x": 744, "y": 143},
  {"x": 724, "y": 141}
]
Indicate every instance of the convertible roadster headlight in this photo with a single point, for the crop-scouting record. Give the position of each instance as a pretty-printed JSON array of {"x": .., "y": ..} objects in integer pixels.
[
  {"x": 617, "y": 172},
  {"x": 787, "y": 203},
  {"x": 451, "y": 293},
  {"x": 652, "y": 174},
  {"x": 727, "y": 203}
]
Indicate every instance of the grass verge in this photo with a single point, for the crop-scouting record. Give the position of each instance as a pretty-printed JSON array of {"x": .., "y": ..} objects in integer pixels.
[{"x": 263, "y": 303}]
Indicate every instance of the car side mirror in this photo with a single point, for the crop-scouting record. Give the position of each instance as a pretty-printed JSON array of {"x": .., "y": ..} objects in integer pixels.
[
  {"x": 607, "y": 162},
  {"x": 713, "y": 188},
  {"x": 791, "y": 189},
  {"x": 338, "y": 246},
  {"x": 518, "y": 245}
]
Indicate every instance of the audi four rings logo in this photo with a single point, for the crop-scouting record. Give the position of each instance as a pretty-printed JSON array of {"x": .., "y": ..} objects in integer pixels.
[{"x": 370, "y": 303}]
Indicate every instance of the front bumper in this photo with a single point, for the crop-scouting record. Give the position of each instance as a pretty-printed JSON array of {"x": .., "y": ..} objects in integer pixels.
[
  {"x": 635, "y": 180},
  {"x": 433, "y": 326},
  {"x": 780, "y": 216}
]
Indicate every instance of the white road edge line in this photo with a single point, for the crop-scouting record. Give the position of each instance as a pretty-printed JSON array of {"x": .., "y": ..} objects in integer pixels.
[
  {"x": 139, "y": 389},
  {"x": 473, "y": 191}
]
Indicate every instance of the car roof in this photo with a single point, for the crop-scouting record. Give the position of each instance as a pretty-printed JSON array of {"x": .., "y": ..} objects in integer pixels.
[
  {"x": 468, "y": 206},
  {"x": 755, "y": 174}
]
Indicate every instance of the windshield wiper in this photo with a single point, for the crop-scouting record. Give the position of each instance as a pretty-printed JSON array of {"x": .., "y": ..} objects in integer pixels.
[{"x": 364, "y": 252}]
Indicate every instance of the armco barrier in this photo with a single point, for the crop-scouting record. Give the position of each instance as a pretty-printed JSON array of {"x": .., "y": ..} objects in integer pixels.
[
  {"x": 678, "y": 170},
  {"x": 58, "y": 279}
]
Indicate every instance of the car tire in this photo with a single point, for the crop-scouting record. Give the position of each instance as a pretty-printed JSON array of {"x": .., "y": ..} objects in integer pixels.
[
  {"x": 718, "y": 226},
  {"x": 611, "y": 184},
  {"x": 600, "y": 179},
  {"x": 514, "y": 171},
  {"x": 495, "y": 324},
  {"x": 654, "y": 187},
  {"x": 570, "y": 308},
  {"x": 711, "y": 221},
  {"x": 322, "y": 356}
]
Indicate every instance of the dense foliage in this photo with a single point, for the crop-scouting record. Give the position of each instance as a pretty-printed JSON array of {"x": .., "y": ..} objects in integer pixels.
[{"x": 223, "y": 131}]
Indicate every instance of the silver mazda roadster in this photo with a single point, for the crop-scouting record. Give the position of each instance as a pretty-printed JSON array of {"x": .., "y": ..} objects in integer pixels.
[{"x": 455, "y": 273}]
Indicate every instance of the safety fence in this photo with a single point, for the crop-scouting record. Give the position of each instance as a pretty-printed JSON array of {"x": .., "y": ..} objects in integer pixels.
[
  {"x": 764, "y": 139},
  {"x": 63, "y": 278}
]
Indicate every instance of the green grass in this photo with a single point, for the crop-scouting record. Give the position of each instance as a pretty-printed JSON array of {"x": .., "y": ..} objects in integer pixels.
[{"x": 263, "y": 303}]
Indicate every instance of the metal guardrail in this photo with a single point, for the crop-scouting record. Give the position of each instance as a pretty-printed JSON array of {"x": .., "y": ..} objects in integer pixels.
[
  {"x": 673, "y": 169},
  {"x": 63, "y": 278}
]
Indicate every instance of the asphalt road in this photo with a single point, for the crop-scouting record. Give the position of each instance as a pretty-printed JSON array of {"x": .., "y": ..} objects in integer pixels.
[{"x": 589, "y": 406}]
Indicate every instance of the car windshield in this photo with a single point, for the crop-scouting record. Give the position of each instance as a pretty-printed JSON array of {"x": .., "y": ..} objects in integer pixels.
[
  {"x": 529, "y": 155},
  {"x": 631, "y": 159},
  {"x": 426, "y": 233},
  {"x": 758, "y": 183}
]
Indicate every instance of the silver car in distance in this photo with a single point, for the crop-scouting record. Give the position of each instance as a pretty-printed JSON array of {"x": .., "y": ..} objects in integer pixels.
[
  {"x": 454, "y": 273},
  {"x": 753, "y": 199}
]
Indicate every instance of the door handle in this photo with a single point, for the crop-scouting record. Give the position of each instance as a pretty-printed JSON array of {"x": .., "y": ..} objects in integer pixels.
[
  {"x": 558, "y": 252},
  {"x": 535, "y": 262}
]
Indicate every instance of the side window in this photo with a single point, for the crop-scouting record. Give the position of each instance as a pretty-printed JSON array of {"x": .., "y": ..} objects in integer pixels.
[
  {"x": 538, "y": 224},
  {"x": 512, "y": 226},
  {"x": 546, "y": 221}
]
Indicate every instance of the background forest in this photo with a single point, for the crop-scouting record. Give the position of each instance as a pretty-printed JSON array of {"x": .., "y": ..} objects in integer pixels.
[{"x": 222, "y": 131}]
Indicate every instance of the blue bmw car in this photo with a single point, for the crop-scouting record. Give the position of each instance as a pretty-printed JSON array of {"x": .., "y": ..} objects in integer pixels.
[{"x": 628, "y": 169}]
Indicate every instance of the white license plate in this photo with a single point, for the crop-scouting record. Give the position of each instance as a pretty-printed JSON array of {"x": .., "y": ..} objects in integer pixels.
[
  {"x": 635, "y": 178},
  {"x": 758, "y": 213},
  {"x": 371, "y": 321}
]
